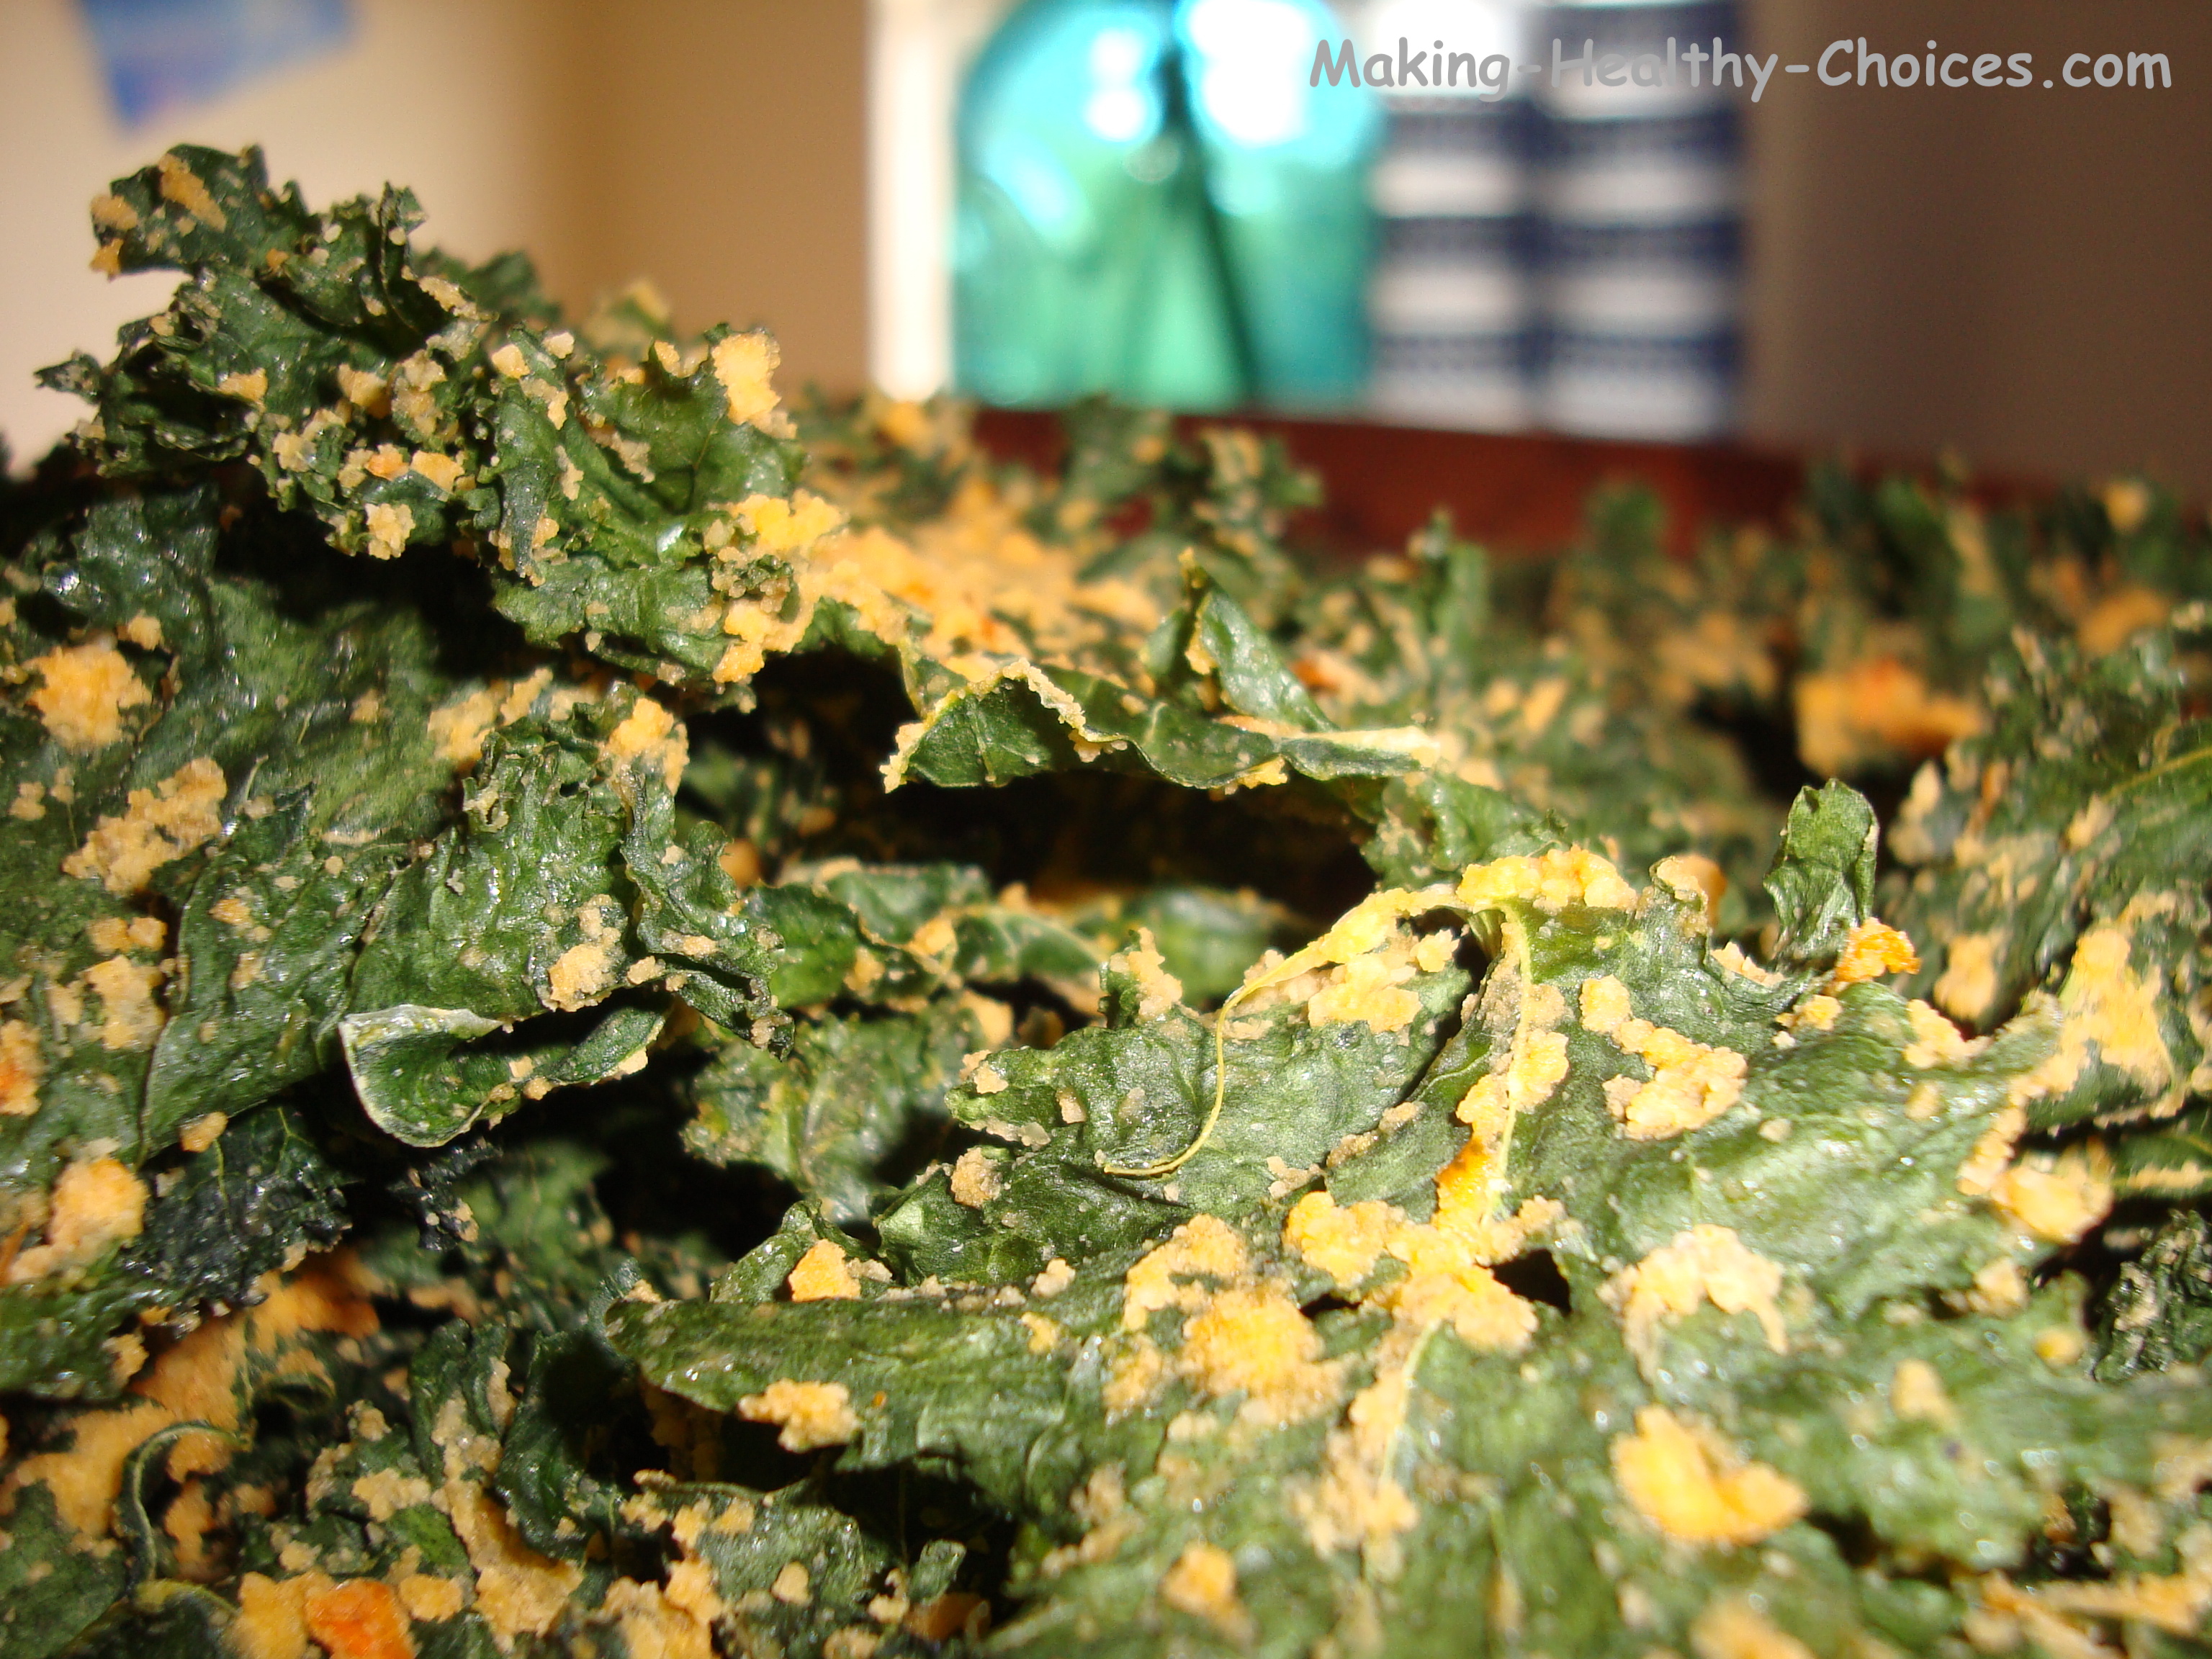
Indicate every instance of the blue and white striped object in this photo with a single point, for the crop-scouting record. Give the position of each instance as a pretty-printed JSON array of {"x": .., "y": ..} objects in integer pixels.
[
  {"x": 1451, "y": 300},
  {"x": 1639, "y": 199}
]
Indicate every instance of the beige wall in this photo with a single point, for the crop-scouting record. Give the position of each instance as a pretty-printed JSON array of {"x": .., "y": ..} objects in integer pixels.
[
  {"x": 2023, "y": 274},
  {"x": 719, "y": 145}
]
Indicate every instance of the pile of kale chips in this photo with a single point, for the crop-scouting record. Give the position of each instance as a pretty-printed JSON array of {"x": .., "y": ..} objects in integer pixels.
[{"x": 635, "y": 1025}]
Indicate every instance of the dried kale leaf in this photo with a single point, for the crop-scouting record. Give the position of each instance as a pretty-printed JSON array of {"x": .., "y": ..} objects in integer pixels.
[
  {"x": 2064, "y": 855},
  {"x": 496, "y": 820},
  {"x": 1232, "y": 1424}
]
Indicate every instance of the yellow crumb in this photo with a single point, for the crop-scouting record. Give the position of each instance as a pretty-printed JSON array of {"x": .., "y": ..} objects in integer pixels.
[
  {"x": 1872, "y": 949},
  {"x": 1604, "y": 1003},
  {"x": 1551, "y": 882},
  {"x": 1733, "y": 1628},
  {"x": 443, "y": 471},
  {"x": 1254, "y": 1340},
  {"x": 1692, "y": 1486},
  {"x": 934, "y": 938},
  {"x": 1445, "y": 1290},
  {"x": 130, "y": 1018},
  {"x": 272, "y": 1620},
  {"x": 650, "y": 734},
  {"x": 157, "y": 825},
  {"x": 387, "y": 1491},
  {"x": 2060, "y": 1346},
  {"x": 581, "y": 975},
  {"x": 22, "y": 1067},
  {"x": 198, "y": 1379},
  {"x": 691, "y": 1583},
  {"x": 118, "y": 935},
  {"x": 1707, "y": 1263},
  {"x": 744, "y": 365},
  {"x": 1202, "y": 1583},
  {"x": 2054, "y": 1613},
  {"x": 1916, "y": 1393},
  {"x": 1691, "y": 1084},
  {"x": 231, "y": 912},
  {"x": 390, "y": 526},
  {"x": 1370, "y": 987},
  {"x": 459, "y": 728},
  {"x": 1873, "y": 710},
  {"x": 810, "y": 1414},
  {"x": 778, "y": 525},
  {"x": 1817, "y": 1013},
  {"x": 85, "y": 689},
  {"x": 2119, "y": 616},
  {"x": 1357, "y": 1504},
  {"x": 1135, "y": 1377},
  {"x": 97, "y": 1203},
  {"x": 974, "y": 1178},
  {"x": 519, "y": 1591},
  {"x": 1936, "y": 1041},
  {"x": 2000, "y": 1290},
  {"x": 250, "y": 387},
  {"x": 1205, "y": 1246},
  {"x": 181, "y": 185},
  {"x": 1056, "y": 1277},
  {"x": 1158, "y": 992},
  {"x": 358, "y": 1618},
  {"x": 740, "y": 862},
  {"x": 2057, "y": 1197},
  {"x": 111, "y": 212},
  {"x": 1344, "y": 1243},
  {"x": 1992, "y": 1152},
  {"x": 202, "y": 1132},
  {"x": 365, "y": 391},
  {"x": 2127, "y": 503},
  {"x": 1967, "y": 987},
  {"x": 654, "y": 1624},
  {"x": 823, "y": 1274},
  {"x": 429, "y": 1599},
  {"x": 994, "y": 1019},
  {"x": 189, "y": 1517},
  {"x": 1534, "y": 1065},
  {"x": 412, "y": 401},
  {"x": 2112, "y": 1008},
  {"x": 1692, "y": 878}
]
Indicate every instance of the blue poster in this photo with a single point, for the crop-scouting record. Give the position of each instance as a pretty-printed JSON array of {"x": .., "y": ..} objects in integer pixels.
[{"x": 161, "y": 55}]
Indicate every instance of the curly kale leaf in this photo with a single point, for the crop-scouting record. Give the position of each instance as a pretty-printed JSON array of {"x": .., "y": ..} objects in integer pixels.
[
  {"x": 2064, "y": 855},
  {"x": 1239, "y": 1419},
  {"x": 407, "y": 400},
  {"x": 235, "y": 829},
  {"x": 2158, "y": 1313}
]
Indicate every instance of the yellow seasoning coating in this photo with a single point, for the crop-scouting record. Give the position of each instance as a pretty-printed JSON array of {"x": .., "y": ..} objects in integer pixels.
[
  {"x": 1684, "y": 1481},
  {"x": 810, "y": 1414}
]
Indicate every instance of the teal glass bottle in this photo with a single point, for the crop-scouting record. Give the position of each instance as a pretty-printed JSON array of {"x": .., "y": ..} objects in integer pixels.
[
  {"x": 1287, "y": 164},
  {"x": 1152, "y": 204}
]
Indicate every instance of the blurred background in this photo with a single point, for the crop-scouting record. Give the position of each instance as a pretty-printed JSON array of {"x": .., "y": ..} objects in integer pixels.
[{"x": 1031, "y": 202}]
